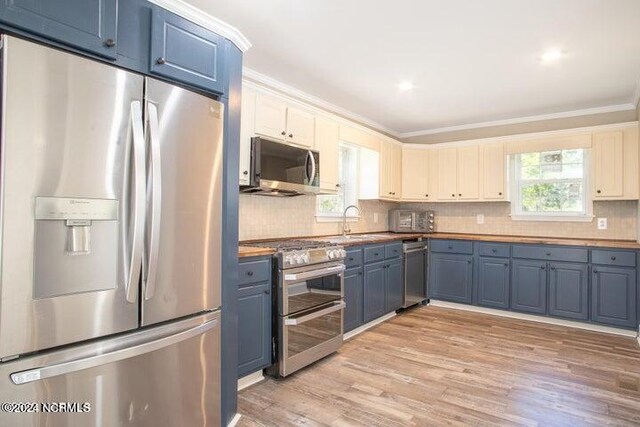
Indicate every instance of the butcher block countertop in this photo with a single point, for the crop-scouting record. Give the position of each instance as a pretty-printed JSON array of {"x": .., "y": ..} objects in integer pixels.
[
  {"x": 600, "y": 243},
  {"x": 249, "y": 251}
]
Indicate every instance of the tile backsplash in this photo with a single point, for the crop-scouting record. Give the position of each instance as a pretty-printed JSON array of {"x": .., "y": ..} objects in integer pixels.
[
  {"x": 621, "y": 216},
  {"x": 272, "y": 217},
  {"x": 262, "y": 217}
]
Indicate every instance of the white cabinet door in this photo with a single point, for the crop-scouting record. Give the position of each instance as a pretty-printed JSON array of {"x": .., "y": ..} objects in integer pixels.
[
  {"x": 493, "y": 172},
  {"x": 271, "y": 115},
  {"x": 468, "y": 173},
  {"x": 396, "y": 171},
  {"x": 390, "y": 170},
  {"x": 447, "y": 173},
  {"x": 608, "y": 160},
  {"x": 247, "y": 123},
  {"x": 432, "y": 174},
  {"x": 415, "y": 174},
  {"x": 300, "y": 127},
  {"x": 327, "y": 140}
]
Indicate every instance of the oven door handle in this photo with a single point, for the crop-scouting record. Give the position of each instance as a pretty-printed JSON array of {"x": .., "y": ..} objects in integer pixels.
[
  {"x": 314, "y": 273},
  {"x": 302, "y": 319}
]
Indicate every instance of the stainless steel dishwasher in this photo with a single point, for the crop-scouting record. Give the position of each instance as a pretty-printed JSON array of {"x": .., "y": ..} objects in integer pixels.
[{"x": 415, "y": 272}]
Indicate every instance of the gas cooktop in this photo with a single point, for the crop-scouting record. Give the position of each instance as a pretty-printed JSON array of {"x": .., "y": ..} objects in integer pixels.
[{"x": 298, "y": 253}]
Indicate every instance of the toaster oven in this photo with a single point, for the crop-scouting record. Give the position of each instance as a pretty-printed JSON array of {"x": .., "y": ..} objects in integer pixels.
[{"x": 411, "y": 221}]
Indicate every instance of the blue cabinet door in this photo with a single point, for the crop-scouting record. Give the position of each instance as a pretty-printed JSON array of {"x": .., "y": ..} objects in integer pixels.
[
  {"x": 88, "y": 25},
  {"x": 451, "y": 277},
  {"x": 374, "y": 301},
  {"x": 184, "y": 51},
  {"x": 529, "y": 286},
  {"x": 254, "y": 328},
  {"x": 354, "y": 298},
  {"x": 493, "y": 282},
  {"x": 569, "y": 290},
  {"x": 394, "y": 286},
  {"x": 613, "y": 296}
]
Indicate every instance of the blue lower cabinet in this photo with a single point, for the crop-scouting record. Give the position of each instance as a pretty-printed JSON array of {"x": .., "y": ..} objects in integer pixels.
[
  {"x": 569, "y": 290},
  {"x": 88, "y": 25},
  {"x": 374, "y": 291},
  {"x": 529, "y": 286},
  {"x": 394, "y": 286},
  {"x": 451, "y": 277},
  {"x": 254, "y": 328},
  {"x": 493, "y": 282},
  {"x": 354, "y": 298},
  {"x": 613, "y": 296},
  {"x": 184, "y": 51}
]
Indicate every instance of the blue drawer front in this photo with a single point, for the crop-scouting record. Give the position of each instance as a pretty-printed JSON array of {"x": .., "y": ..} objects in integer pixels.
[
  {"x": 182, "y": 50},
  {"x": 353, "y": 258},
  {"x": 452, "y": 246},
  {"x": 619, "y": 258},
  {"x": 393, "y": 250},
  {"x": 373, "y": 253},
  {"x": 551, "y": 253},
  {"x": 494, "y": 250},
  {"x": 254, "y": 271}
]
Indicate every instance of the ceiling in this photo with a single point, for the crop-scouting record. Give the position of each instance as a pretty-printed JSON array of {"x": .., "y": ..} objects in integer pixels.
[{"x": 470, "y": 61}]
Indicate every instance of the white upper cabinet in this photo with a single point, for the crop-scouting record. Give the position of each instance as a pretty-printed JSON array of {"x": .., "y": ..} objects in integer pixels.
[
  {"x": 468, "y": 173},
  {"x": 277, "y": 120},
  {"x": 247, "y": 122},
  {"x": 494, "y": 184},
  {"x": 415, "y": 174},
  {"x": 270, "y": 117},
  {"x": 327, "y": 140},
  {"x": 447, "y": 173},
  {"x": 390, "y": 170},
  {"x": 300, "y": 126},
  {"x": 615, "y": 165}
]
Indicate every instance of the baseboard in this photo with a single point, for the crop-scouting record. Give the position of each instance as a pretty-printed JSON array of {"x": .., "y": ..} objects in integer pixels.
[
  {"x": 366, "y": 326},
  {"x": 534, "y": 318},
  {"x": 250, "y": 379},
  {"x": 234, "y": 420}
]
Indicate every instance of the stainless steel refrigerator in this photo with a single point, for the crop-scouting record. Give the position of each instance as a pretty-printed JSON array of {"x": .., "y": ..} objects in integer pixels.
[{"x": 111, "y": 193}]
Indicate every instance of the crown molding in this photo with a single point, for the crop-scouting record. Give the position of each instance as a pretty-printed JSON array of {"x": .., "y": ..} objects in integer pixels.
[
  {"x": 197, "y": 16},
  {"x": 518, "y": 120},
  {"x": 297, "y": 94}
]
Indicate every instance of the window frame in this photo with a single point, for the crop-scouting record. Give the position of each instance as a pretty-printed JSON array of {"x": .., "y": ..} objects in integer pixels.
[
  {"x": 517, "y": 214},
  {"x": 352, "y": 214}
]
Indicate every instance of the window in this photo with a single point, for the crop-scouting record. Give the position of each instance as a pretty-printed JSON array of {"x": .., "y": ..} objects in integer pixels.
[
  {"x": 551, "y": 185},
  {"x": 332, "y": 206}
]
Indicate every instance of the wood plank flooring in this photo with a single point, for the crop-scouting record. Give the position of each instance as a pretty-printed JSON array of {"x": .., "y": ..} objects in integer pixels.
[{"x": 436, "y": 366}]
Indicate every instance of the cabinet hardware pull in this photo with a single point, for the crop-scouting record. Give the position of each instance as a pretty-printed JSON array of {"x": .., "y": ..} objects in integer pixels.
[
  {"x": 290, "y": 135},
  {"x": 375, "y": 254},
  {"x": 548, "y": 253},
  {"x": 426, "y": 195},
  {"x": 109, "y": 42},
  {"x": 245, "y": 173},
  {"x": 350, "y": 259},
  {"x": 613, "y": 258},
  {"x": 267, "y": 291},
  {"x": 543, "y": 267},
  {"x": 500, "y": 193},
  {"x": 494, "y": 250},
  {"x": 598, "y": 191},
  {"x": 468, "y": 261},
  {"x": 453, "y": 195},
  {"x": 552, "y": 267},
  {"x": 450, "y": 247},
  {"x": 160, "y": 60},
  {"x": 460, "y": 195},
  {"x": 249, "y": 273},
  {"x": 283, "y": 133},
  {"x": 506, "y": 264},
  {"x": 359, "y": 273},
  {"x": 337, "y": 185},
  {"x": 595, "y": 271}
]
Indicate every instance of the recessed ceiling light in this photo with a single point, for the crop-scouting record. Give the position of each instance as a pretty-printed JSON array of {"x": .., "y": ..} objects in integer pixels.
[
  {"x": 405, "y": 86},
  {"x": 551, "y": 55}
]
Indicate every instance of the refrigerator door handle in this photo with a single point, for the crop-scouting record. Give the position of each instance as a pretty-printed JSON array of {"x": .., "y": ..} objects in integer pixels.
[
  {"x": 156, "y": 202},
  {"x": 55, "y": 370},
  {"x": 133, "y": 255}
]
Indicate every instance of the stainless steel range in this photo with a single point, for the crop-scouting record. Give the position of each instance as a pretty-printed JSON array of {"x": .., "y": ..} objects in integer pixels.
[{"x": 308, "y": 307}]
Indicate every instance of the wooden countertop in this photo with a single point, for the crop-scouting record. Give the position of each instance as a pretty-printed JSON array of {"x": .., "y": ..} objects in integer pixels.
[
  {"x": 381, "y": 237},
  {"x": 249, "y": 251},
  {"x": 602, "y": 243}
]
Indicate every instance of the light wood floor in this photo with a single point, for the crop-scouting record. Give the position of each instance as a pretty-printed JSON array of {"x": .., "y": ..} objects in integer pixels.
[{"x": 437, "y": 366}]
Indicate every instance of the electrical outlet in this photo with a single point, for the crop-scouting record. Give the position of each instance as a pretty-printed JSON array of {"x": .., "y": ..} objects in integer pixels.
[
  {"x": 375, "y": 217},
  {"x": 480, "y": 218},
  {"x": 602, "y": 223}
]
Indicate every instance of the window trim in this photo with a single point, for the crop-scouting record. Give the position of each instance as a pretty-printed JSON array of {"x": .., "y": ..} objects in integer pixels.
[
  {"x": 352, "y": 215},
  {"x": 518, "y": 215}
]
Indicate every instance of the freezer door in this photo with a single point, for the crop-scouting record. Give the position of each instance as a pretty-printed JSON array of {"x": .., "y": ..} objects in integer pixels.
[
  {"x": 167, "y": 375},
  {"x": 181, "y": 274},
  {"x": 71, "y": 133}
]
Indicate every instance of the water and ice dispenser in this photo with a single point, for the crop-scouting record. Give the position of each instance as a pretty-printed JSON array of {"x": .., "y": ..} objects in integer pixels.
[{"x": 76, "y": 245}]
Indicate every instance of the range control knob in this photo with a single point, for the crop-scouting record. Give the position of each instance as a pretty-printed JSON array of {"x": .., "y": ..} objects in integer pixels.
[
  {"x": 297, "y": 258},
  {"x": 288, "y": 259},
  {"x": 305, "y": 258},
  {"x": 331, "y": 254},
  {"x": 343, "y": 253}
]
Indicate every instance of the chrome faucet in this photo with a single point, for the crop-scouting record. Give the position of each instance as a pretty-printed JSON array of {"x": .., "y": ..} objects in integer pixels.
[{"x": 345, "y": 228}]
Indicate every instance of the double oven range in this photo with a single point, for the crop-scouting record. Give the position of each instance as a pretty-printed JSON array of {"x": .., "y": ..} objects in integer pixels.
[{"x": 308, "y": 279}]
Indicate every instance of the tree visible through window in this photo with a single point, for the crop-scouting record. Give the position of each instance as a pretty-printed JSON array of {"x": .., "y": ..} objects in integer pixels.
[
  {"x": 551, "y": 183},
  {"x": 333, "y": 205}
]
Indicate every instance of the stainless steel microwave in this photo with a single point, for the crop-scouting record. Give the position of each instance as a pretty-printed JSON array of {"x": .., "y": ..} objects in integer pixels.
[
  {"x": 280, "y": 169},
  {"x": 410, "y": 221}
]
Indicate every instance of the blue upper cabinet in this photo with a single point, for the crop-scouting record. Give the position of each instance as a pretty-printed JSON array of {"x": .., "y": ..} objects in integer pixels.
[
  {"x": 184, "y": 51},
  {"x": 88, "y": 25}
]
